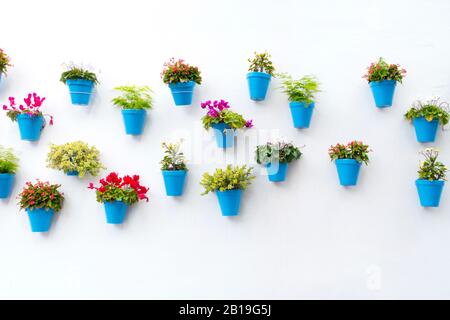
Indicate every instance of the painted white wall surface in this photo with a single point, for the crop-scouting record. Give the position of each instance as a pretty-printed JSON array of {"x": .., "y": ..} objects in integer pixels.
[{"x": 307, "y": 238}]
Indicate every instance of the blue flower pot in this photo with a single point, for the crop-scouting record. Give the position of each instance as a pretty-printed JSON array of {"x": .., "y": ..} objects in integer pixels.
[
  {"x": 174, "y": 182},
  {"x": 134, "y": 120},
  {"x": 72, "y": 173},
  {"x": 80, "y": 91},
  {"x": 258, "y": 83},
  {"x": 115, "y": 212},
  {"x": 30, "y": 126},
  {"x": 383, "y": 92},
  {"x": 301, "y": 114},
  {"x": 182, "y": 92},
  {"x": 6, "y": 184},
  {"x": 229, "y": 202},
  {"x": 224, "y": 135},
  {"x": 425, "y": 130},
  {"x": 277, "y": 171},
  {"x": 429, "y": 192},
  {"x": 348, "y": 171},
  {"x": 40, "y": 219}
]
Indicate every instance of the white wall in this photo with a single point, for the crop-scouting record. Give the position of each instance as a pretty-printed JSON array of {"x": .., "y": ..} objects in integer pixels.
[{"x": 306, "y": 238}]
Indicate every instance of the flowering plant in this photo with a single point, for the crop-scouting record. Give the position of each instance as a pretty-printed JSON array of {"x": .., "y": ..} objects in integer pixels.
[
  {"x": 353, "y": 150},
  {"x": 9, "y": 163},
  {"x": 178, "y": 71},
  {"x": 173, "y": 157},
  {"x": 232, "y": 178},
  {"x": 126, "y": 189},
  {"x": 381, "y": 70},
  {"x": 75, "y": 156},
  {"x": 281, "y": 152},
  {"x": 75, "y": 72},
  {"x": 302, "y": 90},
  {"x": 430, "y": 169},
  {"x": 41, "y": 195},
  {"x": 32, "y": 106},
  {"x": 4, "y": 62},
  {"x": 262, "y": 63},
  {"x": 219, "y": 112},
  {"x": 430, "y": 109}
]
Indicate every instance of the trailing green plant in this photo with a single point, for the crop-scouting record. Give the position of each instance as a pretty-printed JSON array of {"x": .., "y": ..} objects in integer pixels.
[
  {"x": 430, "y": 109},
  {"x": 173, "y": 157},
  {"x": 219, "y": 112},
  {"x": 9, "y": 162},
  {"x": 176, "y": 71},
  {"x": 381, "y": 70},
  {"x": 75, "y": 156},
  {"x": 41, "y": 195},
  {"x": 262, "y": 63},
  {"x": 134, "y": 97},
  {"x": 232, "y": 178},
  {"x": 279, "y": 152},
  {"x": 354, "y": 150},
  {"x": 4, "y": 62},
  {"x": 431, "y": 169},
  {"x": 75, "y": 72},
  {"x": 301, "y": 90}
]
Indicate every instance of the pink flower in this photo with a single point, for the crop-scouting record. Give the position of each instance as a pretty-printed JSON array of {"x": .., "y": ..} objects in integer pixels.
[{"x": 249, "y": 124}]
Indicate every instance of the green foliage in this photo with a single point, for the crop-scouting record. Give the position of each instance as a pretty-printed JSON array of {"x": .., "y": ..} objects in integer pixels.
[
  {"x": 430, "y": 110},
  {"x": 430, "y": 169},
  {"x": 179, "y": 71},
  {"x": 4, "y": 62},
  {"x": 280, "y": 152},
  {"x": 74, "y": 72},
  {"x": 232, "y": 178},
  {"x": 383, "y": 71},
  {"x": 231, "y": 118},
  {"x": 173, "y": 157},
  {"x": 353, "y": 150},
  {"x": 41, "y": 195},
  {"x": 302, "y": 90},
  {"x": 134, "y": 97},
  {"x": 75, "y": 156},
  {"x": 9, "y": 163},
  {"x": 262, "y": 63},
  {"x": 113, "y": 193}
]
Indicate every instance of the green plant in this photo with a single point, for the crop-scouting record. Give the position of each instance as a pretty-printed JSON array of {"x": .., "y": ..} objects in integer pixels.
[
  {"x": 219, "y": 112},
  {"x": 353, "y": 150},
  {"x": 431, "y": 169},
  {"x": 232, "y": 178},
  {"x": 134, "y": 97},
  {"x": 75, "y": 156},
  {"x": 381, "y": 70},
  {"x": 41, "y": 195},
  {"x": 179, "y": 71},
  {"x": 4, "y": 62},
  {"x": 302, "y": 90},
  {"x": 75, "y": 72},
  {"x": 430, "y": 109},
  {"x": 9, "y": 163},
  {"x": 262, "y": 63},
  {"x": 173, "y": 158},
  {"x": 280, "y": 152}
]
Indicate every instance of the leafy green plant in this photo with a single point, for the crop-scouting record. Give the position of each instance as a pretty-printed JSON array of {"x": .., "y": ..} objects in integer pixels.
[
  {"x": 232, "y": 178},
  {"x": 381, "y": 70},
  {"x": 41, "y": 195},
  {"x": 134, "y": 97},
  {"x": 279, "y": 152},
  {"x": 430, "y": 110},
  {"x": 173, "y": 157},
  {"x": 75, "y": 156},
  {"x": 353, "y": 150},
  {"x": 75, "y": 72},
  {"x": 262, "y": 63},
  {"x": 431, "y": 169},
  {"x": 4, "y": 62},
  {"x": 219, "y": 112},
  {"x": 9, "y": 163},
  {"x": 301, "y": 90},
  {"x": 179, "y": 71}
]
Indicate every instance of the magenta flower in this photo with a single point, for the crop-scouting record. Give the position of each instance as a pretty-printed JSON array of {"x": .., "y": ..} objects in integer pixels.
[{"x": 249, "y": 124}]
